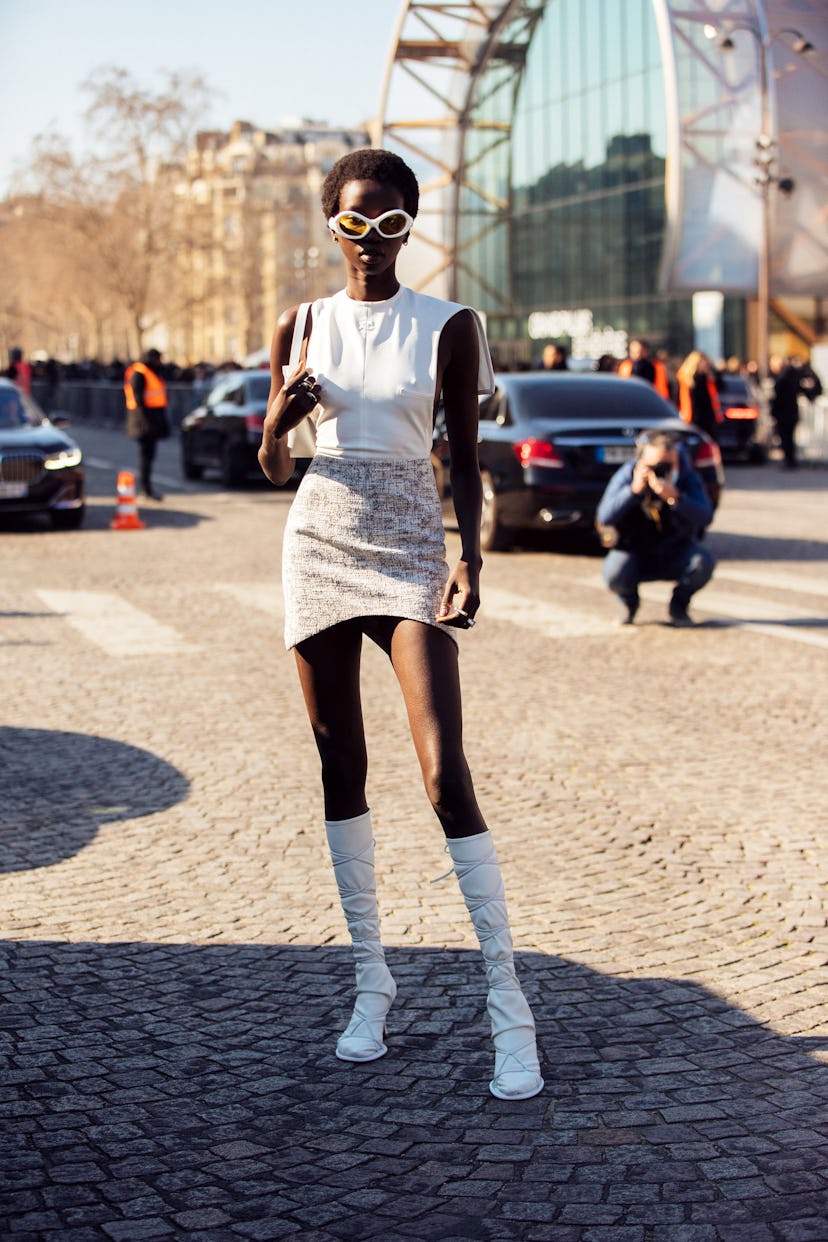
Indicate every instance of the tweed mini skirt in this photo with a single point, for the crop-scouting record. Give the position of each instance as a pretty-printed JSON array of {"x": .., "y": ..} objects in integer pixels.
[{"x": 364, "y": 538}]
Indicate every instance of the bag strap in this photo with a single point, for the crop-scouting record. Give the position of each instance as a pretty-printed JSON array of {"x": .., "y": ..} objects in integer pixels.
[{"x": 301, "y": 335}]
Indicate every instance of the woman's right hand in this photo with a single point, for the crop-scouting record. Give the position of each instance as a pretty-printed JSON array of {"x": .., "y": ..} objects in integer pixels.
[{"x": 295, "y": 400}]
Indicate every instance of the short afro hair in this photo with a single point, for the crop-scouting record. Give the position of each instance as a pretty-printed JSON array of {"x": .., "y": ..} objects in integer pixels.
[{"x": 370, "y": 164}]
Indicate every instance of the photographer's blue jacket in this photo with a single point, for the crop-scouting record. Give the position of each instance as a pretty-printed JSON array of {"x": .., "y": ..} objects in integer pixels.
[{"x": 676, "y": 525}]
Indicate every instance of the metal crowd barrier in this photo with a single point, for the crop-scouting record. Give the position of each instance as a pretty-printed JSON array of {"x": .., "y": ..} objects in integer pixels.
[{"x": 102, "y": 403}]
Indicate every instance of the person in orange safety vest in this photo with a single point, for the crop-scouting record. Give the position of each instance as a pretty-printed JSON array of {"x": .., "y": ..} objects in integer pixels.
[
  {"x": 699, "y": 394},
  {"x": 19, "y": 371},
  {"x": 147, "y": 422},
  {"x": 642, "y": 364}
]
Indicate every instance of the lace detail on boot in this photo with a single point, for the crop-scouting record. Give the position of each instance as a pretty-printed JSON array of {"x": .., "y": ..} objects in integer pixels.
[
  {"x": 363, "y": 1038},
  {"x": 517, "y": 1073}
]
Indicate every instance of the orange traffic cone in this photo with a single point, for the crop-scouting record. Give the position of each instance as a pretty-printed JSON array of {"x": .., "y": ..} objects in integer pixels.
[{"x": 126, "y": 515}]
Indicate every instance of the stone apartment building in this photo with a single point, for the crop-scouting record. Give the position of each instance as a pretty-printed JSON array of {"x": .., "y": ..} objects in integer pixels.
[{"x": 257, "y": 239}]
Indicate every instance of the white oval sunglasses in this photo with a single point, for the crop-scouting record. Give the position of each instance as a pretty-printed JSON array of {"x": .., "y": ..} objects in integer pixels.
[{"x": 353, "y": 226}]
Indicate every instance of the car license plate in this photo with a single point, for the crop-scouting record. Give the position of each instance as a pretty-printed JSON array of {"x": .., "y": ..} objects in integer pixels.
[
  {"x": 614, "y": 454},
  {"x": 13, "y": 491}
]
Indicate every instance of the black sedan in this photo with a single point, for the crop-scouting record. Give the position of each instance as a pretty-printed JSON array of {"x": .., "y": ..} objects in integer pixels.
[
  {"x": 40, "y": 466},
  {"x": 224, "y": 433},
  {"x": 549, "y": 442},
  {"x": 744, "y": 431}
]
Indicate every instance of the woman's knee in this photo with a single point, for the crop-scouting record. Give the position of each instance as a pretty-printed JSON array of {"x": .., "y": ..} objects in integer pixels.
[
  {"x": 449, "y": 789},
  {"x": 344, "y": 768}
]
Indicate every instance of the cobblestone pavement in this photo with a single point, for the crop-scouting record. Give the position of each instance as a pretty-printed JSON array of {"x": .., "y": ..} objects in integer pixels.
[{"x": 175, "y": 967}]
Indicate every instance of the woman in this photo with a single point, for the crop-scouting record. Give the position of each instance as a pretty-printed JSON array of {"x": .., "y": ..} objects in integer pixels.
[
  {"x": 698, "y": 394},
  {"x": 364, "y": 554}
]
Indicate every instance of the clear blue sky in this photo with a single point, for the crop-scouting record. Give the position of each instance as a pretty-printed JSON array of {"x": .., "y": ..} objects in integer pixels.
[{"x": 269, "y": 58}]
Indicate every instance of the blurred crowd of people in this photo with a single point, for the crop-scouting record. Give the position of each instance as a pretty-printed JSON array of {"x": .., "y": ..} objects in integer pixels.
[
  {"x": 693, "y": 385},
  {"x": 92, "y": 370}
]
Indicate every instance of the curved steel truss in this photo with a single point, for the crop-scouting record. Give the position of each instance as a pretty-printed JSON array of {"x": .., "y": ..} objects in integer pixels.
[{"x": 454, "y": 72}]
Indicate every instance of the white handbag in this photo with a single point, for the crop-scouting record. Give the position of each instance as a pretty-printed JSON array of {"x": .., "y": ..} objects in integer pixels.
[{"x": 301, "y": 438}]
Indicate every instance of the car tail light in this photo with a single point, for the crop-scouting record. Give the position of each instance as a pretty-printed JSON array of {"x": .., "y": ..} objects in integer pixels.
[
  {"x": 740, "y": 411},
  {"x": 254, "y": 422},
  {"x": 708, "y": 455},
  {"x": 537, "y": 453}
]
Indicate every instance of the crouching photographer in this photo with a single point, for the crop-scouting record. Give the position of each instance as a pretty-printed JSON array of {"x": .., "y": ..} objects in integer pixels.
[{"x": 651, "y": 516}]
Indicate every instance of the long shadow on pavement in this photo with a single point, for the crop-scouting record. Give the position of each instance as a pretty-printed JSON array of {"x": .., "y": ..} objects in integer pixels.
[
  {"x": 170, "y": 1090},
  {"x": 60, "y": 787}
]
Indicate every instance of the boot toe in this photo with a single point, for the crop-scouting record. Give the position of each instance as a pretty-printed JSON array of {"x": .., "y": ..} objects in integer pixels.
[
  {"x": 516, "y": 1085},
  {"x": 364, "y": 1036},
  {"x": 359, "y": 1048}
]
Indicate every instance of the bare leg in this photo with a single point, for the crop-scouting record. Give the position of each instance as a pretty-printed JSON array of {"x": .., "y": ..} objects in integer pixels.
[
  {"x": 425, "y": 662},
  {"x": 328, "y": 667}
]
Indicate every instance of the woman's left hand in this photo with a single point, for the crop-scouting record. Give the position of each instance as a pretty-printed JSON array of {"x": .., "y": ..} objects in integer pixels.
[{"x": 460, "y": 599}]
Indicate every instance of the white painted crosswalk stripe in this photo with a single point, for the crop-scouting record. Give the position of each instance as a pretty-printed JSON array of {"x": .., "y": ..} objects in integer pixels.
[
  {"x": 797, "y": 625},
  {"x": 114, "y": 624},
  {"x": 121, "y": 629},
  {"x": 776, "y": 580},
  {"x": 264, "y": 596},
  {"x": 555, "y": 620},
  {"x": 750, "y": 612}
]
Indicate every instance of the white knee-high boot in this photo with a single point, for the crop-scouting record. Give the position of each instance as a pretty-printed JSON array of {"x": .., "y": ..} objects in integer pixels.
[
  {"x": 517, "y": 1073},
  {"x": 351, "y": 843}
]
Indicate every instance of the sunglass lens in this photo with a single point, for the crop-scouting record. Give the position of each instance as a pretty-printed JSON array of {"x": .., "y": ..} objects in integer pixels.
[
  {"x": 394, "y": 224},
  {"x": 352, "y": 224}
]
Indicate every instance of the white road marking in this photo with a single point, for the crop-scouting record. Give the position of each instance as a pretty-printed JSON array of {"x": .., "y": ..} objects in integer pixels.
[
  {"x": 168, "y": 481},
  {"x": 533, "y": 614},
  {"x": 266, "y": 596},
  {"x": 765, "y": 616},
  {"x": 775, "y": 581},
  {"x": 164, "y": 480},
  {"x": 114, "y": 624},
  {"x": 749, "y": 612}
]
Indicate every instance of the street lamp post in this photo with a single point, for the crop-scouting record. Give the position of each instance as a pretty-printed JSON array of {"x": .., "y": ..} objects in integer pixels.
[{"x": 765, "y": 160}]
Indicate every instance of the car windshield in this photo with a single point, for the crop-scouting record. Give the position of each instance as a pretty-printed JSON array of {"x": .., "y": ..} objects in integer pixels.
[
  {"x": 583, "y": 397},
  {"x": 734, "y": 386},
  {"x": 17, "y": 411},
  {"x": 258, "y": 387}
]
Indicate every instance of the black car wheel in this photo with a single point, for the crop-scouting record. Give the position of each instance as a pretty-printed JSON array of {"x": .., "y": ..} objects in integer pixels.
[
  {"x": 189, "y": 469},
  {"x": 67, "y": 519},
  {"x": 233, "y": 472},
  {"x": 494, "y": 536}
]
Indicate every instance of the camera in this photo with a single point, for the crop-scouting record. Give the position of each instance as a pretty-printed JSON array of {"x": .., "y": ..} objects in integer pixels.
[{"x": 661, "y": 469}]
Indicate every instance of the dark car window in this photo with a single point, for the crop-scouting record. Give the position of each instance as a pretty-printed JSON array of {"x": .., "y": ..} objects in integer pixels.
[
  {"x": 258, "y": 387},
  {"x": 535, "y": 398},
  {"x": 15, "y": 411},
  {"x": 491, "y": 410},
  {"x": 219, "y": 393},
  {"x": 734, "y": 388}
]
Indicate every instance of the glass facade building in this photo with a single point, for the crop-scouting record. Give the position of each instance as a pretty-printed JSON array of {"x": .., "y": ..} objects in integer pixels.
[{"x": 562, "y": 236}]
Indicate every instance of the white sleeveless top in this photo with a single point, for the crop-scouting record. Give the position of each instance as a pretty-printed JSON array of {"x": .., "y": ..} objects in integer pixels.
[{"x": 376, "y": 364}]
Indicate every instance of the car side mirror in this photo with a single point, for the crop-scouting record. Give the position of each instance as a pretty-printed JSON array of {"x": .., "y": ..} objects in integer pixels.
[{"x": 59, "y": 418}]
